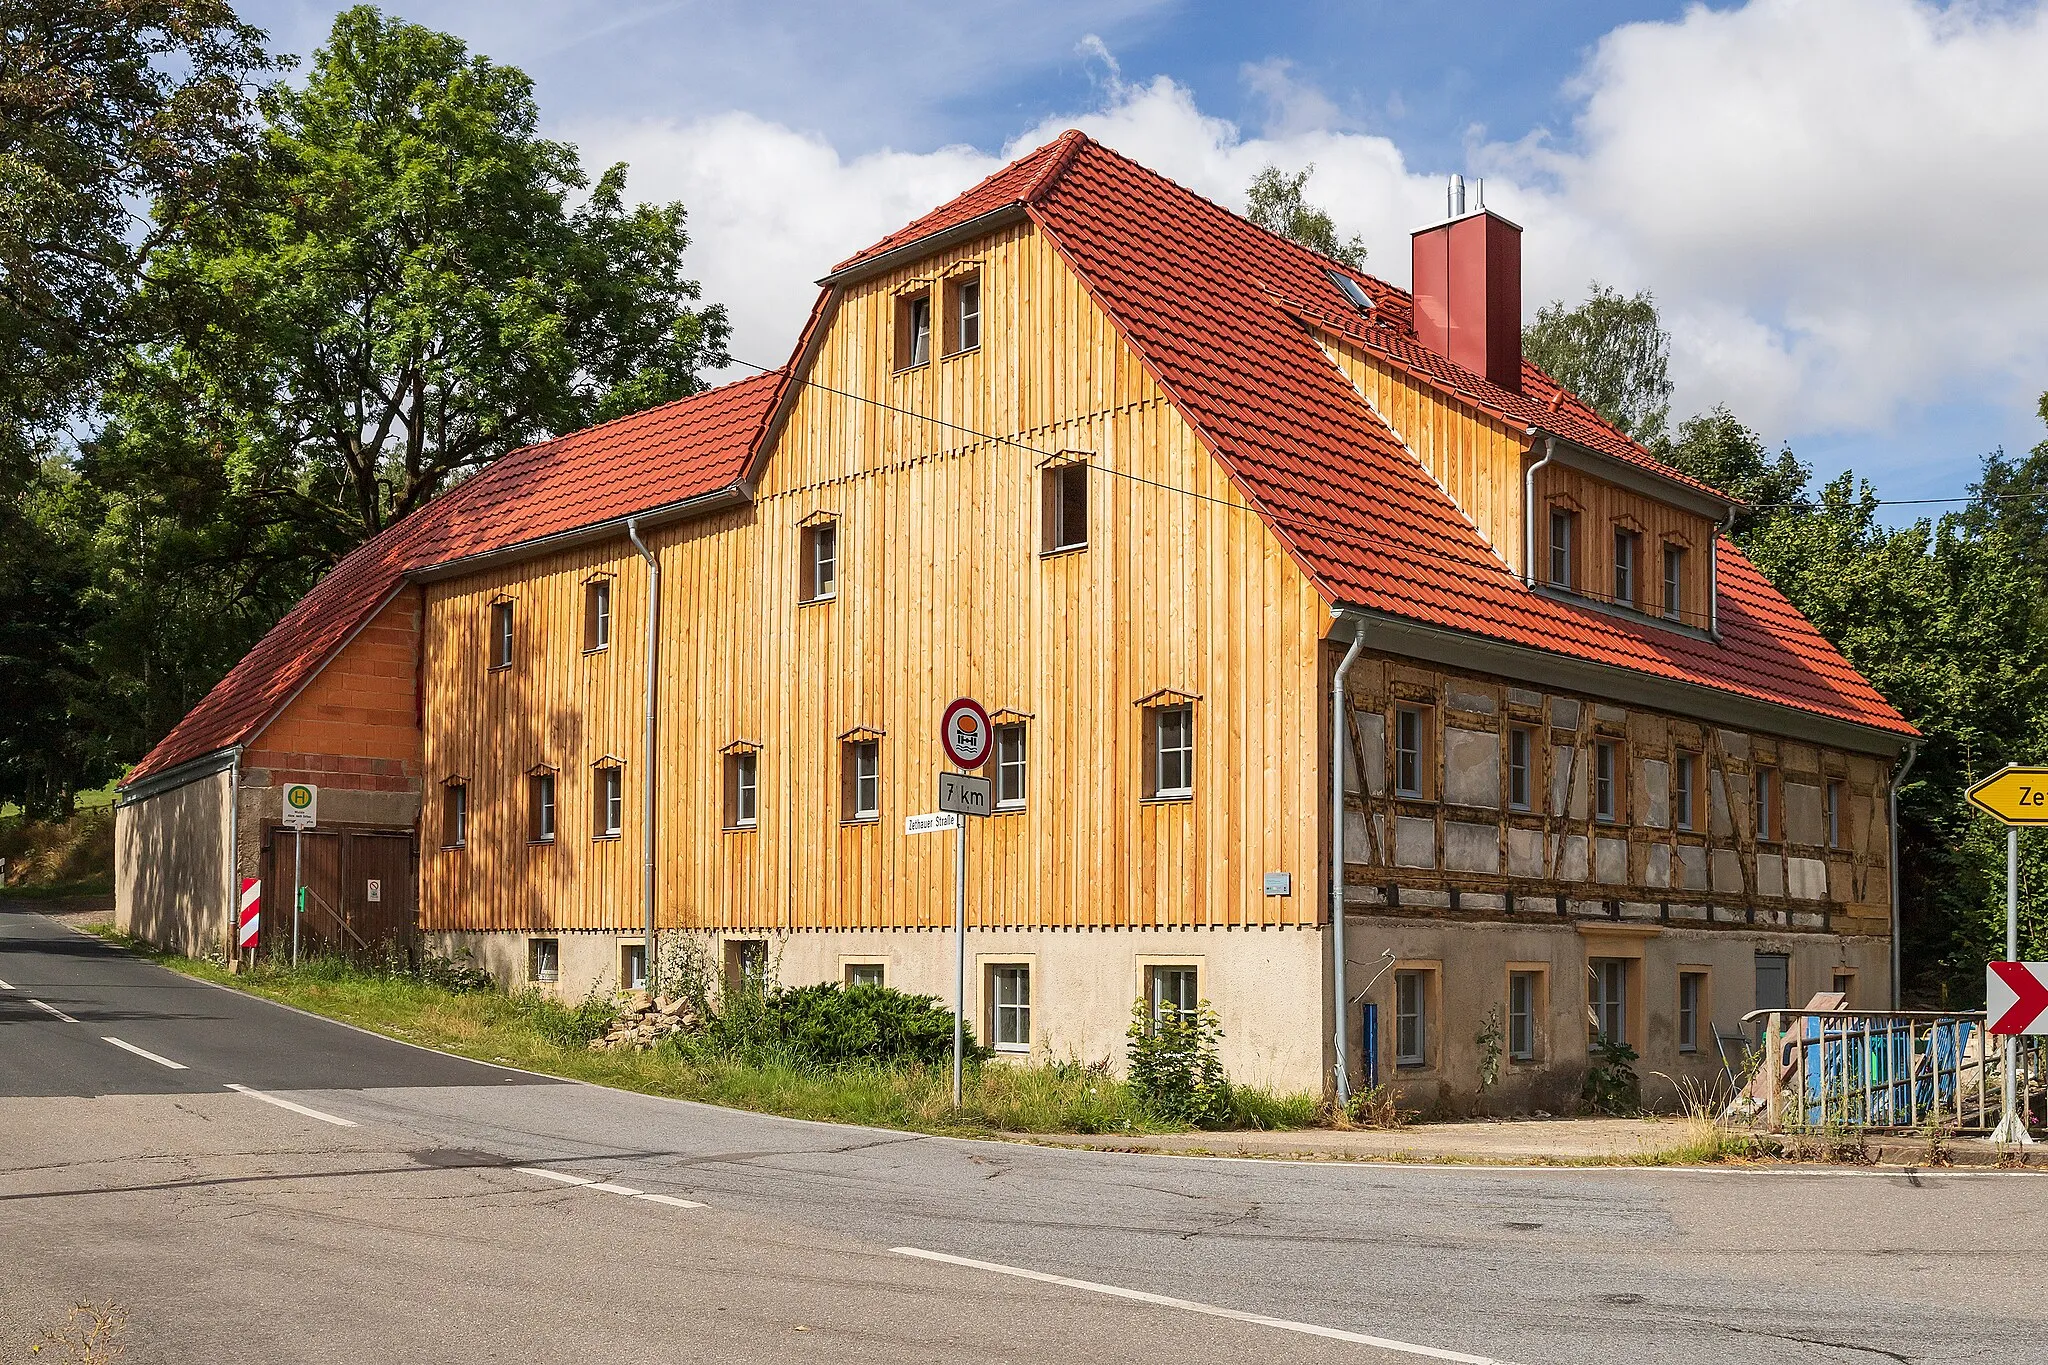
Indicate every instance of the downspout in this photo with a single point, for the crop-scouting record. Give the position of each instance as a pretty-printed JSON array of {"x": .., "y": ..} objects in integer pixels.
[
  {"x": 231, "y": 950},
  {"x": 1529, "y": 510},
  {"x": 647, "y": 834},
  {"x": 1714, "y": 575},
  {"x": 1340, "y": 746},
  {"x": 1898, "y": 778}
]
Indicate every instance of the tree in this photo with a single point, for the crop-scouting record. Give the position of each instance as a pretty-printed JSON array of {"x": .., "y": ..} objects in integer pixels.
[
  {"x": 104, "y": 105},
  {"x": 1611, "y": 351},
  {"x": 1274, "y": 202},
  {"x": 405, "y": 293},
  {"x": 1720, "y": 451}
]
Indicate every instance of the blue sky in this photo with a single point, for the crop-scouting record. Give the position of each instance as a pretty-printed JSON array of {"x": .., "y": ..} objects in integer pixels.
[{"x": 1835, "y": 201}]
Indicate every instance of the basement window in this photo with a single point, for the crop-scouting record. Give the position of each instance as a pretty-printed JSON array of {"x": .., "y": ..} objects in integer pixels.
[
  {"x": 1066, "y": 508},
  {"x": 1009, "y": 996},
  {"x": 633, "y": 966},
  {"x": 607, "y": 802},
  {"x": 1692, "y": 991},
  {"x": 913, "y": 330},
  {"x": 1607, "y": 1000},
  {"x": 501, "y": 635},
  {"x": 597, "y": 615},
  {"x": 1525, "y": 992},
  {"x": 963, "y": 313},
  {"x": 865, "y": 974},
  {"x": 1411, "y": 1018},
  {"x": 544, "y": 959},
  {"x": 1171, "y": 990}
]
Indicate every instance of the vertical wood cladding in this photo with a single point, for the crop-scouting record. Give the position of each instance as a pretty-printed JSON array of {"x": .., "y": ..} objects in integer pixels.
[
  {"x": 1601, "y": 508},
  {"x": 942, "y": 590}
]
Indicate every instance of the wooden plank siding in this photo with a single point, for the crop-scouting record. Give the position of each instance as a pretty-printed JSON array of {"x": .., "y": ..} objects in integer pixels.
[
  {"x": 942, "y": 590},
  {"x": 1601, "y": 507}
]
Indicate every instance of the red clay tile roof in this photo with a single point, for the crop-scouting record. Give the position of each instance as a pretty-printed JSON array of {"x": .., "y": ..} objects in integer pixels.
[
  {"x": 1017, "y": 183},
  {"x": 636, "y": 464},
  {"x": 1193, "y": 289}
]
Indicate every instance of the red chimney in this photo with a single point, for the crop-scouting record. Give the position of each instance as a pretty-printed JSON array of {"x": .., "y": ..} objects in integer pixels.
[{"x": 1468, "y": 290}]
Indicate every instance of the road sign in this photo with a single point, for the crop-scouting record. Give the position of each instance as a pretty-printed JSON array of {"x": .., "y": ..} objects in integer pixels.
[
  {"x": 2016, "y": 997},
  {"x": 250, "y": 918},
  {"x": 931, "y": 824},
  {"x": 965, "y": 733},
  {"x": 2018, "y": 796},
  {"x": 301, "y": 805},
  {"x": 966, "y": 795},
  {"x": 374, "y": 892}
]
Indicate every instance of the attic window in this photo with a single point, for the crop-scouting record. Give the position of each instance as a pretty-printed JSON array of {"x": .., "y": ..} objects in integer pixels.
[
  {"x": 1352, "y": 290},
  {"x": 913, "y": 329}
]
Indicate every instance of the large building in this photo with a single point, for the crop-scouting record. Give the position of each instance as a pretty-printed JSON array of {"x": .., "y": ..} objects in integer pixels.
[{"x": 1154, "y": 486}]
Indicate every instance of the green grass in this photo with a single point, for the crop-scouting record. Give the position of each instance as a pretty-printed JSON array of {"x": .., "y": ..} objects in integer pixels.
[{"x": 523, "y": 1031}]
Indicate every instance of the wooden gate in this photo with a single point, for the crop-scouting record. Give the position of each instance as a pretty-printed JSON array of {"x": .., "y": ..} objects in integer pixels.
[{"x": 359, "y": 893}]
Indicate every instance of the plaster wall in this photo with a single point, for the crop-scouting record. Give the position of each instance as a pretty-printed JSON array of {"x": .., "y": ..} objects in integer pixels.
[{"x": 170, "y": 881}]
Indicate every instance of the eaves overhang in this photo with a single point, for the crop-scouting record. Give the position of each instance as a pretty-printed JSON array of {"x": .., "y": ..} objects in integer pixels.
[
  {"x": 1697, "y": 701},
  {"x": 1626, "y": 474},
  {"x": 732, "y": 495},
  {"x": 896, "y": 256},
  {"x": 184, "y": 774}
]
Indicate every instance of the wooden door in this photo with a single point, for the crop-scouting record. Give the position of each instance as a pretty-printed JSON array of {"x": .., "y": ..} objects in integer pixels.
[
  {"x": 377, "y": 892},
  {"x": 319, "y": 859}
]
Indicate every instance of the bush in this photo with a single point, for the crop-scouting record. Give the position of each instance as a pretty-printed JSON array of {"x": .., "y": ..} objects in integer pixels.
[
  {"x": 832, "y": 1026},
  {"x": 1611, "y": 1086},
  {"x": 458, "y": 975},
  {"x": 1175, "y": 1070},
  {"x": 564, "y": 1025}
]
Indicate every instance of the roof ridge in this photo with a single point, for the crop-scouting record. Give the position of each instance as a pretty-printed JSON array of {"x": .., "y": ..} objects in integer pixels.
[{"x": 1068, "y": 146}]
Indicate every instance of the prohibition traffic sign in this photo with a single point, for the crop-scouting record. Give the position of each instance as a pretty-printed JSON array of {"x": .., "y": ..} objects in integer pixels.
[
  {"x": 964, "y": 733},
  {"x": 2016, "y": 997},
  {"x": 2018, "y": 796}
]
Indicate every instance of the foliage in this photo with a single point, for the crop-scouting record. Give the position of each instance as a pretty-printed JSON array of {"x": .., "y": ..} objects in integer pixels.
[
  {"x": 1611, "y": 1086},
  {"x": 829, "y": 1025},
  {"x": 563, "y": 1025},
  {"x": 1175, "y": 1069},
  {"x": 684, "y": 970},
  {"x": 1377, "y": 1107},
  {"x": 1492, "y": 1041},
  {"x": 1611, "y": 351},
  {"x": 59, "y": 857},
  {"x": 458, "y": 975},
  {"x": 1274, "y": 202}
]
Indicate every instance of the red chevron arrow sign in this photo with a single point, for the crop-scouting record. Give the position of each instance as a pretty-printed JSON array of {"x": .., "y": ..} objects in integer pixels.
[{"x": 2016, "y": 997}]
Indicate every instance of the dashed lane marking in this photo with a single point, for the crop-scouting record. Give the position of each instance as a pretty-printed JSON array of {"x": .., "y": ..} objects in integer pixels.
[
  {"x": 5, "y": 987},
  {"x": 52, "y": 1009},
  {"x": 606, "y": 1187},
  {"x": 295, "y": 1108},
  {"x": 145, "y": 1052},
  {"x": 1207, "y": 1309}
]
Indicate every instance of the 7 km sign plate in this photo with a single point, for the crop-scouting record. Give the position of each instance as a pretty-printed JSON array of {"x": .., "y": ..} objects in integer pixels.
[{"x": 2016, "y": 997}]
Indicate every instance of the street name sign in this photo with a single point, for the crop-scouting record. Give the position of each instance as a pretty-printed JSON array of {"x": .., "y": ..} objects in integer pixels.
[
  {"x": 2017, "y": 796},
  {"x": 964, "y": 733},
  {"x": 932, "y": 823},
  {"x": 2016, "y": 997},
  {"x": 301, "y": 805},
  {"x": 964, "y": 795}
]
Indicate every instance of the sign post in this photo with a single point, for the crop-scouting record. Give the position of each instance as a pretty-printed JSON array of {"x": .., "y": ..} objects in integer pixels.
[
  {"x": 965, "y": 736},
  {"x": 301, "y": 813},
  {"x": 2014, "y": 796}
]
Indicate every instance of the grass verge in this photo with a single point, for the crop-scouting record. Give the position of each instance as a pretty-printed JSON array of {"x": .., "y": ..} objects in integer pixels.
[{"x": 515, "y": 1031}]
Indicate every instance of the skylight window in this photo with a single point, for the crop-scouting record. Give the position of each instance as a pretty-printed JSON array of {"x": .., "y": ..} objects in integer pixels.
[{"x": 1352, "y": 290}]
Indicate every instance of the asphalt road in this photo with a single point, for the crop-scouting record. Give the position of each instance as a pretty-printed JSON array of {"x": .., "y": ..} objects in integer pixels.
[{"x": 416, "y": 1206}]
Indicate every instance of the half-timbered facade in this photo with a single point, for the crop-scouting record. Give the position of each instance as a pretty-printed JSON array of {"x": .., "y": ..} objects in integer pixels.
[{"x": 1153, "y": 486}]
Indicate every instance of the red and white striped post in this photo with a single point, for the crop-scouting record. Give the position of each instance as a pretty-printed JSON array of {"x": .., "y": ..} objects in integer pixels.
[{"x": 250, "y": 918}]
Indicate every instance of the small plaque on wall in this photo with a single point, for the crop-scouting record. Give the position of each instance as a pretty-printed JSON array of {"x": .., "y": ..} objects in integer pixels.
[{"x": 1279, "y": 883}]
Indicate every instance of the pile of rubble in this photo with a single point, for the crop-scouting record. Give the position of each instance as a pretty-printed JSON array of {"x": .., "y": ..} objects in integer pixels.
[{"x": 643, "y": 1021}]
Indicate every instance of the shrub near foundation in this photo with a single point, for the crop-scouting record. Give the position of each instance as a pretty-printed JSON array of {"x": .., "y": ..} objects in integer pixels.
[{"x": 828, "y": 1025}]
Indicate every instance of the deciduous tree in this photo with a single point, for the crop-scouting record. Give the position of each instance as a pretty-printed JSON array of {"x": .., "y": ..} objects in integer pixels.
[
  {"x": 1274, "y": 201},
  {"x": 1613, "y": 352}
]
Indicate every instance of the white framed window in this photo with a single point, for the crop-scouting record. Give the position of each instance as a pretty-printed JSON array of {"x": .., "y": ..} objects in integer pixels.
[
  {"x": 1066, "y": 507},
  {"x": 1691, "y": 999},
  {"x": 963, "y": 313},
  {"x": 633, "y": 966},
  {"x": 1682, "y": 791},
  {"x": 1607, "y": 786},
  {"x": 1012, "y": 766},
  {"x": 865, "y": 974},
  {"x": 1674, "y": 581},
  {"x": 1627, "y": 551},
  {"x": 1563, "y": 529},
  {"x": 742, "y": 790},
  {"x": 862, "y": 776},
  {"x": 1608, "y": 999},
  {"x": 540, "y": 808},
  {"x": 1171, "y": 989},
  {"x": 1521, "y": 754},
  {"x": 454, "y": 815},
  {"x": 1411, "y": 1018},
  {"x": 501, "y": 635},
  {"x": 1412, "y": 751},
  {"x": 597, "y": 615},
  {"x": 1009, "y": 1009},
  {"x": 820, "y": 578},
  {"x": 544, "y": 959},
  {"x": 1173, "y": 751},
  {"x": 1523, "y": 994},
  {"x": 913, "y": 330},
  {"x": 1767, "y": 831},
  {"x": 608, "y": 802}
]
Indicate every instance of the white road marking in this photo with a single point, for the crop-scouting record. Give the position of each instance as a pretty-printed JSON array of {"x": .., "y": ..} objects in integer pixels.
[
  {"x": 295, "y": 1108},
  {"x": 1209, "y": 1309},
  {"x": 5, "y": 987},
  {"x": 606, "y": 1187},
  {"x": 145, "y": 1052},
  {"x": 52, "y": 1009}
]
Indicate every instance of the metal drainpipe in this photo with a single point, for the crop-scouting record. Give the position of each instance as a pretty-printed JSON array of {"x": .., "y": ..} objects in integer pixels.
[
  {"x": 1898, "y": 778},
  {"x": 647, "y": 757},
  {"x": 1714, "y": 575},
  {"x": 231, "y": 948},
  {"x": 1339, "y": 746},
  {"x": 1529, "y": 510}
]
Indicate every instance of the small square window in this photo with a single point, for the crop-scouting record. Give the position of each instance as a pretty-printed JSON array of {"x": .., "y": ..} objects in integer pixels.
[
  {"x": 1414, "y": 752},
  {"x": 963, "y": 313},
  {"x": 1411, "y": 1018},
  {"x": 1525, "y": 993},
  {"x": 820, "y": 580},
  {"x": 633, "y": 966},
  {"x": 1674, "y": 582},
  {"x": 540, "y": 808},
  {"x": 913, "y": 329},
  {"x": 864, "y": 974},
  {"x": 1521, "y": 758},
  {"x": 1692, "y": 995},
  {"x": 597, "y": 615},
  {"x": 1171, "y": 989},
  {"x": 1628, "y": 546},
  {"x": 1563, "y": 531},
  {"x": 1012, "y": 766},
  {"x": 454, "y": 815},
  {"x": 1009, "y": 996},
  {"x": 544, "y": 959},
  {"x": 861, "y": 779},
  {"x": 742, "y": 790},
  {"x": 501, "y": 635},
  {"x": 1171, "y": 738},
  {"x": 1610, "y": 799},
  {"x": 607, "y": 802},
  {"x": 1066, "y": 507}
]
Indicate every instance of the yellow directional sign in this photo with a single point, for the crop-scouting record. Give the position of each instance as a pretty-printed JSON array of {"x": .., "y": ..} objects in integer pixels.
[{"x": 2018, "y": 796}]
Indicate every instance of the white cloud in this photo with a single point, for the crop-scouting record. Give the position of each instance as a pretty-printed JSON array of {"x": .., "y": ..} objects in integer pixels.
[{"x": 1837, "y": 202}]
